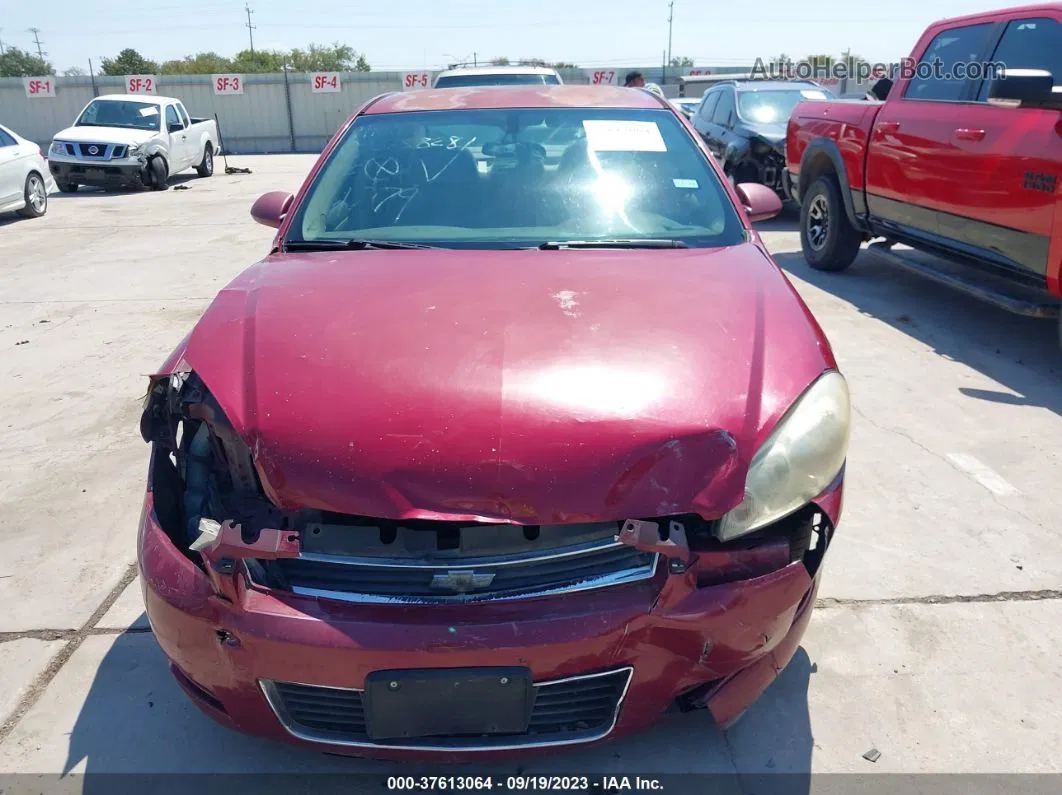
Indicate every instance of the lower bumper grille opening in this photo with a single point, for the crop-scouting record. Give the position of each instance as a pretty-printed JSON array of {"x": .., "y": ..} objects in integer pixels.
[{"x": 577, "y": 709}]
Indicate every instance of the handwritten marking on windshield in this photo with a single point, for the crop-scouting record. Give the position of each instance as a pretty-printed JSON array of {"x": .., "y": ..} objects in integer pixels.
[{"x": 457, "y": 150}]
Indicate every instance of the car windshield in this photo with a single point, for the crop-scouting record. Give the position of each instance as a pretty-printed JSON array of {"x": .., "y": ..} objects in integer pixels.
[
  {"x": 120, "y": 113},
  {"x": 517, "y": 178},
  {"x": 463, "y": 81},
  {"x": 772, "y": 107}
]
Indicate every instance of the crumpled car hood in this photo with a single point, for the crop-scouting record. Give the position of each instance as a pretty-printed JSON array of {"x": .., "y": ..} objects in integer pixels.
[
  {"x": 108, "y": 135},
  {"x": 535, "y": 387}
]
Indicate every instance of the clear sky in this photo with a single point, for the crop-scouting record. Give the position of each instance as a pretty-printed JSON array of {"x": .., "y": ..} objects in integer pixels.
[{"x": 428, "y": 33}]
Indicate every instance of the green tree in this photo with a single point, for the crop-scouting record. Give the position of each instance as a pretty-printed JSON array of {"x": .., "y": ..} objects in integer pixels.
[
  {"x": 548, "y": 64},
  {"x": 681, "y": 61},
  {"x": 500, "y": 61},
  {"x": 321, "y": 58},
  {"x": 74, "y": 71},
  {"x": 17, "y": 63},
  {"x": 204, "y": 63},
  {"x": 128, "y": 62},
  {"x": 259, "y": 61}
]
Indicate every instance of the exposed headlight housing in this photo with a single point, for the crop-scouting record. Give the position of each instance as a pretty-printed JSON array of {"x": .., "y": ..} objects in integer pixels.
[
  {"x": 132, "y": 151},
  {"x": 801, "y": 457}
]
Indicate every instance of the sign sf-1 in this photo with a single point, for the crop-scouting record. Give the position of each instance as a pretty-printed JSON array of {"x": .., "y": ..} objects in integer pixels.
[{"x": 37, "y": 87}]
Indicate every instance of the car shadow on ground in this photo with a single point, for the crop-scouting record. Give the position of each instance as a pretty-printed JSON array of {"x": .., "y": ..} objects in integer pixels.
[
  {"x": 1020, "y": 353},
  {"x": 86, "y": 191},
  {"x": 135, "y": 719}
]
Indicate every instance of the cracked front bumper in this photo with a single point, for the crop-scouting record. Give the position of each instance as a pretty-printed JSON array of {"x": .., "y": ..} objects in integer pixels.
[
  {"x": 104, "y": 174},
  {"x": 717, "y": 647}
]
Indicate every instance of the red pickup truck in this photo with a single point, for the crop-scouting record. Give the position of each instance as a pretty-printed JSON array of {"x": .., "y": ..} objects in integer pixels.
[{"x": 961, "y": 158}]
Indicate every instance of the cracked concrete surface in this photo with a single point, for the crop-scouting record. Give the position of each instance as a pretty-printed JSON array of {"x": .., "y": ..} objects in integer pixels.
[{"x": 938, "y": 618}]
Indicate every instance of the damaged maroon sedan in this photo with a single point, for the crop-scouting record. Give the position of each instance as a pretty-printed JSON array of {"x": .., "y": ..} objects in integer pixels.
[{"x": 516, "y": 439}]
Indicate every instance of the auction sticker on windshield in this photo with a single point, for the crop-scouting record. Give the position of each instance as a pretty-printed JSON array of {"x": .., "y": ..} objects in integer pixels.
[
  {"x": 608, "y": 135},
  {"x": 812, "y": 94}
]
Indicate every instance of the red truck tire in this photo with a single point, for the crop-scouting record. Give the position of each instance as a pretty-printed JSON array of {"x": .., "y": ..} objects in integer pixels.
[{"x": 827, "y": 238}]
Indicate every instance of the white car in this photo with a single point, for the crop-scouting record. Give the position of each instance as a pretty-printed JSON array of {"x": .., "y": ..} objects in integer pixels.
[
  {"x": 497, "y": 76},
  {"x": 24, "y": 179},
  {"x": 124, "y": 140}
]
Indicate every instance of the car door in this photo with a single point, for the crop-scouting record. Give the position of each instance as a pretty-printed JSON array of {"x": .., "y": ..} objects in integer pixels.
[
  {"x": 913, "y": 171},
  {"x": 722, "y": 121},
  {"x": 702, "y": 119},
  {"x": 194, "y": 152},
  {"x": 1010, "y": 158},
  {"x": 179, "y": 158},
  {"x": 11, "y": 176}
]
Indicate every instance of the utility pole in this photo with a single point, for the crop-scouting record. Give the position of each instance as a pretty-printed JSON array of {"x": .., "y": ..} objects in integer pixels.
[
  {"x": 2, "y": 50},
  {"x": 670, "y": 19},
  {"x": 92, "y": 77},
  {"x": 475, "y": 60},
  {"x": 847, "y": 68},
  {"x": 37, "y": 39},
  {"x": 250, "y": 27}
]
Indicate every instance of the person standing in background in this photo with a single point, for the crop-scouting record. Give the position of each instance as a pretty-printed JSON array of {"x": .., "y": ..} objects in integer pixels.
[{"x": 634, "y": 80}]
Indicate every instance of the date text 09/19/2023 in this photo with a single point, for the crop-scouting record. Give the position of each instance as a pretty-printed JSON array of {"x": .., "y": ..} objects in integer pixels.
[{"x": 523, "y": 783}]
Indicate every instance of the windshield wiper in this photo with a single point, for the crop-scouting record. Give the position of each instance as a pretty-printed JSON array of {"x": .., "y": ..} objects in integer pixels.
[
  {"x": 354, "y": 244},
  {"x": 615, "y": 243}
]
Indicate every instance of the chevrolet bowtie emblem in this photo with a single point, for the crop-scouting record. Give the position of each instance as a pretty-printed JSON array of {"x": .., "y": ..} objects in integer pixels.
[{"x": 461, "y": 581}]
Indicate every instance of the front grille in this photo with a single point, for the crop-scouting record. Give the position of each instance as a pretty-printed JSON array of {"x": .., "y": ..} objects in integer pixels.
[
  {"x": 327, "y": 709},
  {"x": 558, "y": 570},
  {"x": 70, "y": 149},
  {"x": 577, "y": 709},
  {"x": 119, "y": 151},
  {"x": 85, "y": 150}
]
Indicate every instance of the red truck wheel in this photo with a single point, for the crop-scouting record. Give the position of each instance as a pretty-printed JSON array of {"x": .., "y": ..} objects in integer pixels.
[{"x": 827, "y": 237}]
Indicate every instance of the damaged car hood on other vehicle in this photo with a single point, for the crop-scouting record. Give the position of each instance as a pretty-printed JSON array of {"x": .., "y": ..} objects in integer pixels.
[{"x": 536, "y": 387}]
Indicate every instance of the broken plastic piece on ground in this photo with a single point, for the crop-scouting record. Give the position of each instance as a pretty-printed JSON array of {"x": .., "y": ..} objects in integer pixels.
[
  {"x": 225, "y": 540},
  {"x": 181, "y": 187},
  {"x": 647, "y": 537},
  {"x": 873, "y": 755},
  {"x": 234, "y": 170}
]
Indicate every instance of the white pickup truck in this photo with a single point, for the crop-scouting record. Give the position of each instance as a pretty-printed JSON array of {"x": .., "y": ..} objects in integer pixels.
[{"x": 125, "y": 140}]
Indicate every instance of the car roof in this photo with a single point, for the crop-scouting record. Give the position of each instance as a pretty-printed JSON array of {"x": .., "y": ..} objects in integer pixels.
[
  {"x": 774, "y": 85},
  {"x": 500, "y": 70},
  {"x": 138, "y": 97},
  {"x": 501, "y": 97},
  {"x": 985, "y": 16}
]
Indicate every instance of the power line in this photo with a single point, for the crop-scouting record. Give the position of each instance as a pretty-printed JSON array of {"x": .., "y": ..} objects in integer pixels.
[
  {"x": 250, "y": 27},
  {"x": 37, "y": 39}
]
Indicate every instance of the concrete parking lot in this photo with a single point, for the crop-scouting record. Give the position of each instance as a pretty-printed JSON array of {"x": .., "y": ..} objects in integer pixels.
[{"x": 938, "y": 635}]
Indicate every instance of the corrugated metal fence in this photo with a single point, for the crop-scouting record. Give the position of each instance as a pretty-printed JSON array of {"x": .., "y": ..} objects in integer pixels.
[{"x": 275, "y": 113}]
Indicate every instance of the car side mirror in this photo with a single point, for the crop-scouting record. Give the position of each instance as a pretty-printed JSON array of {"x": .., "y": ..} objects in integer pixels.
[
  {"x": 759, "y": 201},
  {"x": 881, "y": 89},
  {"x": 1025, "y": 88},
  {"x": 270, "y": 208},
  {"x": 175, "y": 127}
]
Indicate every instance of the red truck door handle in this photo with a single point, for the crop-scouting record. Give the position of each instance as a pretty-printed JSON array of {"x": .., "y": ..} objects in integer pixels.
[
  {"x": 888, "y": 127},
  {"x": 969, "y": 134}
]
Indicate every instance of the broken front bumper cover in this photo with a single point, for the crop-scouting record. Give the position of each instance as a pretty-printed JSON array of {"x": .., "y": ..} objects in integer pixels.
[
  {"x": 711, "y": 630},
  {"x": 103, "y": 174}
]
